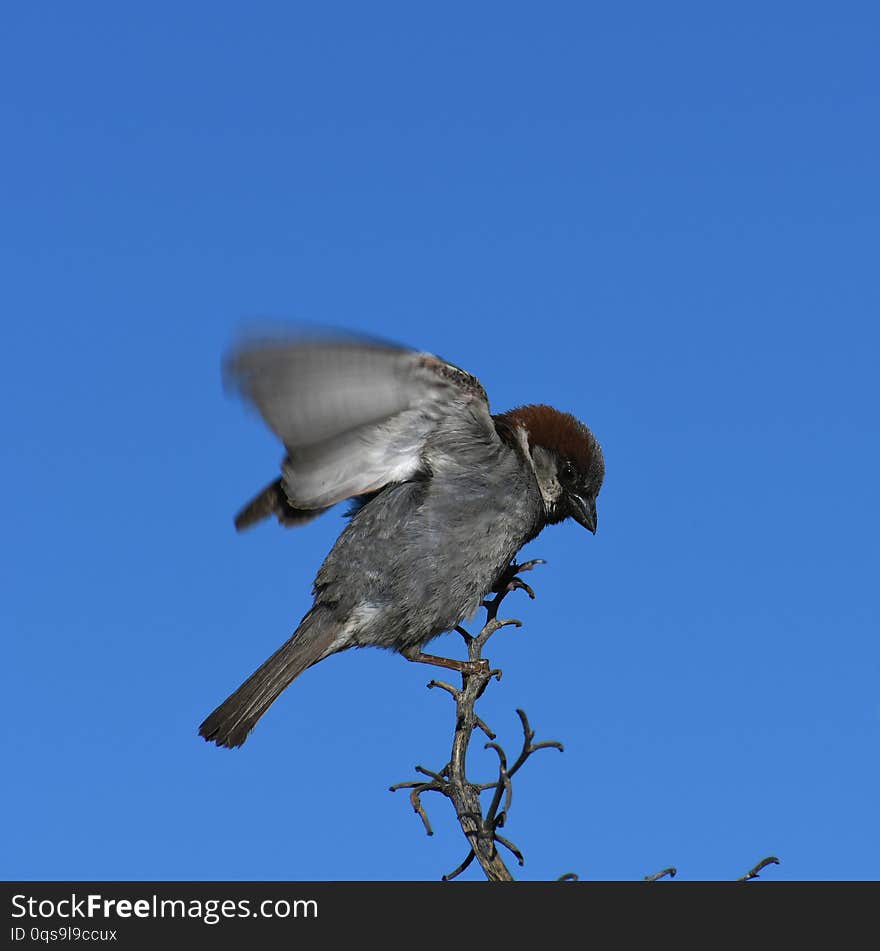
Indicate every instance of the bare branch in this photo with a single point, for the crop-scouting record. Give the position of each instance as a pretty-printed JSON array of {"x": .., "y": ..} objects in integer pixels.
[{"x": 480, "y": 829}]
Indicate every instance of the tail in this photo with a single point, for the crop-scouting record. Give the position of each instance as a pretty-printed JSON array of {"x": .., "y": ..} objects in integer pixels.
[
  {"x": 272, "y": 500},
  {"x": 312, "y": 641}
]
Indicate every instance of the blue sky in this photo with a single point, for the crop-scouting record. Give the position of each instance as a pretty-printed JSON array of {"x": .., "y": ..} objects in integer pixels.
[{"x": 662, "y": 218}]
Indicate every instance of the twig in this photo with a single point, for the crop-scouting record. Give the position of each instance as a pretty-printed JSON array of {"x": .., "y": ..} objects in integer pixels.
[
  {"x": 443, "y": 686},
  {"x": 753, "y": 873},
  {"x": 528, "y": 746},
  {"x": 671, "y": 871},
  {"x": 460, "y": 868},
  {"x": 480, "y": 829},
  {"x": 485, "y": 729},
  {"x": 415, "y": 799},
  {"x": 502, "y": 786},
  {"x": 509, "y": 845}
]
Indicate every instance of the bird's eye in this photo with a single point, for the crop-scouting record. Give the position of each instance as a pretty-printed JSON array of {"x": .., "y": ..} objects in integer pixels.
[{"x": 568, "y": 471}]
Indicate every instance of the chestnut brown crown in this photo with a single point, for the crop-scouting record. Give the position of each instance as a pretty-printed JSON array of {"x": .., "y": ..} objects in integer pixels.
[{"x": 567, "y": 458}]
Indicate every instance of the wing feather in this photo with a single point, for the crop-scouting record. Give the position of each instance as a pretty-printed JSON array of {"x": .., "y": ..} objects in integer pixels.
[{"x": 354, "y": 415}]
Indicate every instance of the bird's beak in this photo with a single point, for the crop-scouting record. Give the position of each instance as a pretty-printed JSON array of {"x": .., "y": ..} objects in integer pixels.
[{"x": 583, "y": 511}]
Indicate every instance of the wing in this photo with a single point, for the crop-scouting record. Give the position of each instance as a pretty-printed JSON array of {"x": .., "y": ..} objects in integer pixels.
[{"x": 354, "y": 415}]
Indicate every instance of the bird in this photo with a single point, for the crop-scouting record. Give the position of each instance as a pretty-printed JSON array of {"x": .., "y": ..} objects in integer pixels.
[{"x": 444, "y": 494}]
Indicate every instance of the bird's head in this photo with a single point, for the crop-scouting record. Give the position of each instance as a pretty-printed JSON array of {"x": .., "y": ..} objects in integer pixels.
[{"x": 567, "y": 460}]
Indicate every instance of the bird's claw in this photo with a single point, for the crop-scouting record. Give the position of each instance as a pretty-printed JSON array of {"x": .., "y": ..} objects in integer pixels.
[
  {"x": 528, "y": 565},
  {"x": 518, "y": 583},
  {"x": 476, "y": 667},
  {"x": 510, "y": 580}
]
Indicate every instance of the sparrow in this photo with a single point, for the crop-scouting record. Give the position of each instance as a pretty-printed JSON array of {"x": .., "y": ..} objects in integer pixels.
[{"x": 444, "y": 495}]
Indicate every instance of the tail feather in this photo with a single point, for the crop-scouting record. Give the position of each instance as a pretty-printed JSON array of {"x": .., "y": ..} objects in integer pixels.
[
  {"x": 272, "y": 500},
  {"x": 230, "y": 724}
]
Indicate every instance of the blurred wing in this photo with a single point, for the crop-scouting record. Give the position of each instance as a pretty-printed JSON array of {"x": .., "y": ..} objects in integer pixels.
[{"x": 354, "y": 415}]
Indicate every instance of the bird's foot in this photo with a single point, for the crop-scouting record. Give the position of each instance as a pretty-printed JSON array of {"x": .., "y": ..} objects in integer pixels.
[{"x": 465, "y": 667}]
